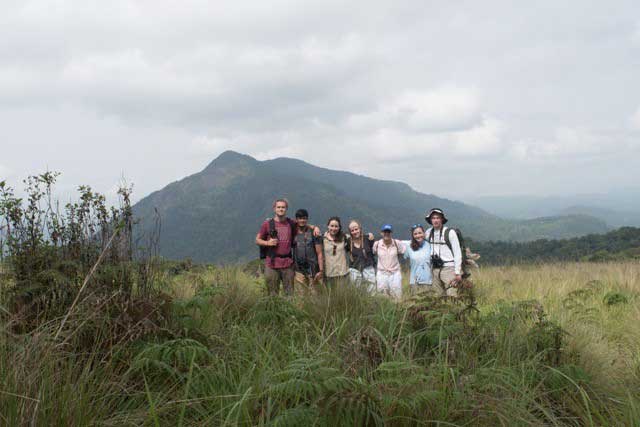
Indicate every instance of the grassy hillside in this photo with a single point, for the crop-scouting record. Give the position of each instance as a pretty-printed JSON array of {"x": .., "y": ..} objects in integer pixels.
[
  {"x": 91, "y": 335},
  {"x": 553, "y": 345}
]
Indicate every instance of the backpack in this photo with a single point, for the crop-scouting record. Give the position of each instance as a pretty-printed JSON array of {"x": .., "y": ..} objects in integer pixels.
[
  {"x": 273, "y": 233},
  {"x": 466, "y": 263},
  {"x": 304, "y": 250}
]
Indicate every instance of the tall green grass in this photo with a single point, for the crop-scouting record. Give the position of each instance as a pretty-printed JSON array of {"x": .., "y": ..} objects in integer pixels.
[{"x": 546, "y": 346}]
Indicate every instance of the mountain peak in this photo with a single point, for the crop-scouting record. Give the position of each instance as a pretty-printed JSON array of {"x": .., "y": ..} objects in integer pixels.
[{"x": 230, "y": 158}]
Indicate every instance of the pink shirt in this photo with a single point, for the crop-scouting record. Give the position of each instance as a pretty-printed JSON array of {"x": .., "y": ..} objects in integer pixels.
[
  {"x": 284, "y": 243},
  {"x": 388, "y": 255}
]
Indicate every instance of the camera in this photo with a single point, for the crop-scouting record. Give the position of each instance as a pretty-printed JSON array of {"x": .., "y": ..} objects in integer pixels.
[{"x": 436, "y": 261}]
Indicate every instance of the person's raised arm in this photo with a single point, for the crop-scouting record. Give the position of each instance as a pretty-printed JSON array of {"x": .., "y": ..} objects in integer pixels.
[
  {"x": 316, "y": 230},
  {"x": 402, "y": 248},
  {"x": 406, "y": 244}
]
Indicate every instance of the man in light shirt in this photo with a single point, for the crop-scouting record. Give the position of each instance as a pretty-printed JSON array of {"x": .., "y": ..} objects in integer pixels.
[{"x": 446, "y": 254}]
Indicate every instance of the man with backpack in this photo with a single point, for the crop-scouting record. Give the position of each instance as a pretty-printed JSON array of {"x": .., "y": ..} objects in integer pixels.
[
  {"x": 307, "y": 255},
  {"x": 447, "y": 261},
  {"x": 276, "y": 239}
]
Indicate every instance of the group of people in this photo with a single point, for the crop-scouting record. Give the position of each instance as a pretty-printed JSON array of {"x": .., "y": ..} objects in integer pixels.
[{"x": 298, "y": 255}]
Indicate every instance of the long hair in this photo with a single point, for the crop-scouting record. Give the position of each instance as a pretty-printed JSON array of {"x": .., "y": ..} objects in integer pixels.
[
  {"x": 340, "y": 236},
  {"x": 414, "y": 243},
  {"x": 360, "y": 240}
]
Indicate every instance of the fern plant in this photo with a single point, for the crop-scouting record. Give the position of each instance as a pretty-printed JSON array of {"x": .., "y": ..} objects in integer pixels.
[{"x": 170, "y": 359}]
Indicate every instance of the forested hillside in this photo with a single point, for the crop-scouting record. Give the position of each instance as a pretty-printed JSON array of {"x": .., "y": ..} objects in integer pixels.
[
  {"x": 620, "y": 244},
  {"x": 213, "y": 216}
]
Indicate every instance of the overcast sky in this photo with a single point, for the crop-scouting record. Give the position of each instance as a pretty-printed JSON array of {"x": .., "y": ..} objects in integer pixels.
[{"x": 456, "y": 98}]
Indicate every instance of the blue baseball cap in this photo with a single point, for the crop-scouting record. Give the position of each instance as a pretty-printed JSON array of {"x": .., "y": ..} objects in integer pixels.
[{"x": 387, "y": 227}]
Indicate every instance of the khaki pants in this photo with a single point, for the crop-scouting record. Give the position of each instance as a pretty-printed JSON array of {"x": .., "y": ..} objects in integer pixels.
[
  {"x": 273, "y": 277},
  {"x": 442, "y": 278},
  {"x": 306, "y": 284}
]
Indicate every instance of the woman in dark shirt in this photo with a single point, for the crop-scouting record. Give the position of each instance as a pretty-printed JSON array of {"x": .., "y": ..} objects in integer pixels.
[{"x": 361, "y": 258}]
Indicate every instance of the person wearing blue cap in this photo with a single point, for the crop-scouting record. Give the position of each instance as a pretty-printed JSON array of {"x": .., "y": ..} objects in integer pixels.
[{"x": 388, "y": 275}]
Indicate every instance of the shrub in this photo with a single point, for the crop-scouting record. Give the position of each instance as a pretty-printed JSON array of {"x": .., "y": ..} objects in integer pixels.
[{"x": 615, "y": 298}]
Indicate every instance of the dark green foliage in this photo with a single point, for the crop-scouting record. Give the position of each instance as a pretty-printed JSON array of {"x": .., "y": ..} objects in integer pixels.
[
  {"x": 275, "y": 312},
  {"x": 170, "y": 360},
  {"x": 282, "y": 362},
  {"x": 615, "y": 298},
  {"x": 618, "y": 245},
  {"x": 52, "y": 254},
  {"x": 230, "y": 356}
]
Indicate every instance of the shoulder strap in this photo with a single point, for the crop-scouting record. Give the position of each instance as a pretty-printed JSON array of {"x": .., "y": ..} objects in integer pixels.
[
  {"x": 447, "y": 239},
  {"x": 272, "y": 231},
  {"x": 293, "y": 228},
  {"x": 431, "y": 235}
]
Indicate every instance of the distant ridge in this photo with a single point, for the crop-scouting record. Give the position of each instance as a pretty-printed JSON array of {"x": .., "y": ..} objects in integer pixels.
[
  {"x": 617, "y": 208},
  {"x": 214, "y": 215},
  {"x": 617, "y": 245}
]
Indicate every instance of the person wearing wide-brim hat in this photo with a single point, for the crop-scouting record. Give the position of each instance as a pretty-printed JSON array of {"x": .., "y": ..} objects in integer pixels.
[
  {"x": 446, "y": 253},
  {"x": 436, "y": 211}
]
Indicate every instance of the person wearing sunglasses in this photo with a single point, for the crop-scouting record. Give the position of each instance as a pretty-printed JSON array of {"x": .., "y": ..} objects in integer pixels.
[
  {"x": 335, "y": 246},
  {"x": 388, "y": 275},
  {"x": 419, "y": 255}
]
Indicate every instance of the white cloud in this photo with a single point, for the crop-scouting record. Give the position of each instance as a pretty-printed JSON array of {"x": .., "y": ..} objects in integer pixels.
[
  {"x": 5, "y": 172},
  {"x": 379, "y": 87},
  {"x": 635, "y": 120},
  {"x": 568, "y": 144},
  {"x": 209, "y": 146},
  {"x": 439, "y": 110},
  {"x": 635, "y": 36},
  {"x": 483, "y": 140}
]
